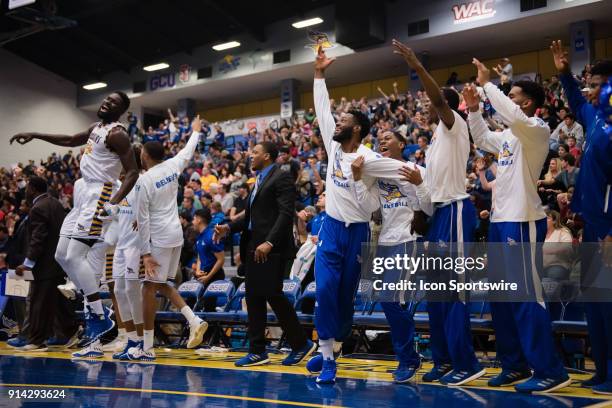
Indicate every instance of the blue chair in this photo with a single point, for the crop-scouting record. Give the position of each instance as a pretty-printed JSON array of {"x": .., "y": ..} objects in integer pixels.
[{"x": 221, "y": 291}]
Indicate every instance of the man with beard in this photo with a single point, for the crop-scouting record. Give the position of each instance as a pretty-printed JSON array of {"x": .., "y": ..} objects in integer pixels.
[{"x": 108, "y": 150}]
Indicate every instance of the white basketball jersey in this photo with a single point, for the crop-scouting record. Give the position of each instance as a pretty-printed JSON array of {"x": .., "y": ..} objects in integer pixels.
[{"x": 99, "y": 164}]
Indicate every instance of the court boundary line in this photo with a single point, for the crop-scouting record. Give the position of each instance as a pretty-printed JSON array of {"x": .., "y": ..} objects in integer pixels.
[{"x": 173, "y": 392}]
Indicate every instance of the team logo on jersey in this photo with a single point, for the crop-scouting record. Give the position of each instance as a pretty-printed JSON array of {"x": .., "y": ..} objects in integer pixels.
[
  {"x": 124, "y": 203},
  {"x": 389, "y": 191},
  {"x": 505, "y": 155},
  {"x": 88, "y": 147},
  {"x": 337, "y": 174}
]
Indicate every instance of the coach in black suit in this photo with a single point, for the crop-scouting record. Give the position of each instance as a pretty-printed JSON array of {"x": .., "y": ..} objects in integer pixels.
[
  {"x": 265, "y": 247},
  {"x": 51, "y": 314}
]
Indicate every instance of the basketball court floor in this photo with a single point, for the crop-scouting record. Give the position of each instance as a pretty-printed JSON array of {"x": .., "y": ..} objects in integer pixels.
[{"x": 182, "y": 378}]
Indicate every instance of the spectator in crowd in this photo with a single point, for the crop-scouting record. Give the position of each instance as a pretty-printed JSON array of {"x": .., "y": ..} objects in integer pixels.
[
  {"x": 207, "y": 178},
  {"x": 557, "y": 249},
  {"x": 569, "y": 127},
  {"x": 210, "y": 255},
  {"x": 217, "y": 215},
  {"x": 569, "y": 173}
]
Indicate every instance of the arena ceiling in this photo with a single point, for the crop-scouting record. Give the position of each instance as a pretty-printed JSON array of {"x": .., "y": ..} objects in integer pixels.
[{"x": 84, "y": 39}]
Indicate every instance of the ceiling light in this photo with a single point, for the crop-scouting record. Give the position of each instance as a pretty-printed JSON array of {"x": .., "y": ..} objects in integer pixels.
[
  {"x": 95, "y": 85},
  {"x": 307, "y": 23},
  {"x": 226, "y": 46},
  {"x": 156, "y": 67}
]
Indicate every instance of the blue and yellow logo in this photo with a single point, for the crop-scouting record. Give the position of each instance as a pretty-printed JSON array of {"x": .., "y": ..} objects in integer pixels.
[{"x": 390, "y": 191}]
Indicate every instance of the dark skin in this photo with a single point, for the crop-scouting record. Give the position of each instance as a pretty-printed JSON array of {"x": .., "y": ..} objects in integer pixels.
[
  {"x": 117, "y": 141},
  {"x": 31, "y": 195},
  {"x": 439, "y": 104},
  {"x": 260, "y": 159}
]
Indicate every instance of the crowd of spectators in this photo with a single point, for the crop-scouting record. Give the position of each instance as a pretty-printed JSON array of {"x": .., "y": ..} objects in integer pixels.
[{"x": 219, "y": 176}]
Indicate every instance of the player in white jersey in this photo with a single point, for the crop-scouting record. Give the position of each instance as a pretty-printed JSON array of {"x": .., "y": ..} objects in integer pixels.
[
  {"x": 128, "y": 270},
  {"x": 337, "y": 262},
  {"x": 403, "y": 223},
  {"x": 450, "y": 232},
  {"x": 108, "y": 150},
  {"x": 523, "y": 331},
  {"x": 161, "y": 237}
]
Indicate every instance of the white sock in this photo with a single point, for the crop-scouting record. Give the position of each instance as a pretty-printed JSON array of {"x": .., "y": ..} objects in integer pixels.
[
  {"x": 122, "y": 334},
  {"x": 132, "y": 335},
  {"x": 149, "y": 336},
  {"x": 96, "y": 307},
  {"x": 190, "y": 316},
  {"x": 326, "y": 347},
  {"x": 337, "y": 346}
]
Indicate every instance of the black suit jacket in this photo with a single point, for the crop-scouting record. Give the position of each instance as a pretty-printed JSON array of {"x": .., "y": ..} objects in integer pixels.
[
  {"x": 271, "y": 215},
  {"x": 43, "y": 228}
]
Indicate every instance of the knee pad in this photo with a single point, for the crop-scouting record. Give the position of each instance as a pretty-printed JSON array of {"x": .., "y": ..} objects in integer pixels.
[
  {"x": 133, "y": 292},
  {"x": 123, "y": 302}
]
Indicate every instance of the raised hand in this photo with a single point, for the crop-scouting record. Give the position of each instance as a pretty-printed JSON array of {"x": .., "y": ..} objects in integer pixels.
[
  {"x": 22, "y": 138},
  {"x": 412, "y": 176},
  {"x": 196, "y": 124},
  {"x": 560, "y": 57},
  {"x": 471, "y": 97},
  {"x": 322, "y": 62},
  {"x": 407, "y": 53},
  {"x": 484, "y": 75}
]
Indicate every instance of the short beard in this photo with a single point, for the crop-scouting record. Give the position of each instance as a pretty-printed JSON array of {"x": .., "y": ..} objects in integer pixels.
[{"x": 344, "y": 135}]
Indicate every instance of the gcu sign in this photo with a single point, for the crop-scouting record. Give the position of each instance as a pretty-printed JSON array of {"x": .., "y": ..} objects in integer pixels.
[{"x": 473, "y": 10}]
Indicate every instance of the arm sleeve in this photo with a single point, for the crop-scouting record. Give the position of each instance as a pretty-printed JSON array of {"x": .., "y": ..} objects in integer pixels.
[
  {"x": 366, "y": 197},
  {"x": 423, "y": 194},
  {"x": 39, "y": 234},
  {"x": 528, "y": 130},
  {"x": 578, "y": 104},
  {"x": 142, "y": 217},
  {"x": 183, "y": 157},
  {"x": 327, "y": 124},
  {"x": 483, "y": 137},
  {"x": 555, "y": 134}
]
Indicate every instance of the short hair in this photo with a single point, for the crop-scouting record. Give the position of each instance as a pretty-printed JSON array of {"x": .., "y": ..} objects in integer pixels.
[
  {"x": 603, "y": 68},
  {"x": 125, "y": 100},
  {"x": 362, "y": 120},
  {"x": 563, "y": 145},
  {"x": 400, "y": 138},
  {"x": 570, "y": 115},
  {"x": 155, "y": 150},
  {"x": 186, "y": 215},
  {"x": 207, "y": 196},
  {"x": 216, "y": 206},
  {"x": 452, "y": 97},
  {"x": 204, "y": 214},
  {"x": 271, "y": 149},
  {"x": 284, "y": 149},
  {"x": 571, "y": 160},
  {"x": 39, "y": 184},
  {"x": 189, "y": 199},
  {"x": 533, "y": 90}
]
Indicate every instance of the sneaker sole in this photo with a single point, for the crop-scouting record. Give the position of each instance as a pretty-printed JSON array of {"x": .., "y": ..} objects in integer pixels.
[
  {"x": 312, "y": 350},
  {"x": 601, "y": 392},
  {"x": 262, "y": 362},
  {"x": 199, "y": 336},
  {"x": 325, "y": 381},
  {"x": 88, "y": 357},
  {"x": 467, "y": 380},
  {"x": 509, "y": 384},
  {"x": 556, "y": 387}
]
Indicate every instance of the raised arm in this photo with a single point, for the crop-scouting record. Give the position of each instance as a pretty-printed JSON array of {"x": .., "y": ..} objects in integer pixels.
[
  {"x": 60, "y": 140},
  {"x": 327, "y": 124},
  {"x": 183, "y": 157},
  {"x": 483, "y": 137},
  {"x": 119, "y": 142},
  {"x": 431, "y": 86}
]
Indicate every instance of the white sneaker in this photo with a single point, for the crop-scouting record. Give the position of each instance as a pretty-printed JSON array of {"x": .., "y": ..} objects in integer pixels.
[
  {"x": 34, "y": 347},
  {"x": 138, "y": 354},
  {"x": 116, "y": 345},
  {"x": 68, "y": 290},
  {"x": 94, "y": 350},
  {"x": 196, "y": 334}
]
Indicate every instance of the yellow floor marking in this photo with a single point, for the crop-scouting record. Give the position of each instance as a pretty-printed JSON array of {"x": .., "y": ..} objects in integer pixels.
[
  {"x": 153, "y": 391},
  {"x": 361, "y": 369}
]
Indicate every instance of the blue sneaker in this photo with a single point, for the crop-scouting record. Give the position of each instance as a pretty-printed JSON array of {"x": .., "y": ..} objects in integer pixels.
[
  {"x": 508, "y": 377},
  {"x": 55, "y": 342},
  {"x": 252, "y": 359},
  {"x": 315, "y": 364},
  {"x": 593, "y": 381},
  {"x": 99, "y": 326},
  {"x": 121, "y": 355},
  {"x": 437, "y": 372},
  {"x": 405, "y": 372},
  {"x": 17, "y": 342},
  {"x": 296, "y": 357},
  {"x": 137, "y": 353},
  {"x": 460, "y": 377},
  {"x": 544, "y": 384},
  {"x": 328, "y": 373},
  {"x": 603, "y": 388}
]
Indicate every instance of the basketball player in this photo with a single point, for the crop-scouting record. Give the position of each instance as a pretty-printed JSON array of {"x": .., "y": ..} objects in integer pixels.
[
  {"x": 593, "y": 201},
  {"x": 337, "y": 262},
  {"x": 108, "y": 150},
  {"x": 453, "y": 225},
  {"x": 127, "y": 268},
  {"x": 523, "y": 332},
  {"x": 161, "y": 237},
  {"x": 401, "y": 217}
]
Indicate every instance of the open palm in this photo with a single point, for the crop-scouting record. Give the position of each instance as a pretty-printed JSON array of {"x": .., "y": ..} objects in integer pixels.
[
  {"x": 322, "y": 61},
  {"x": 560, "y": 56}
]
